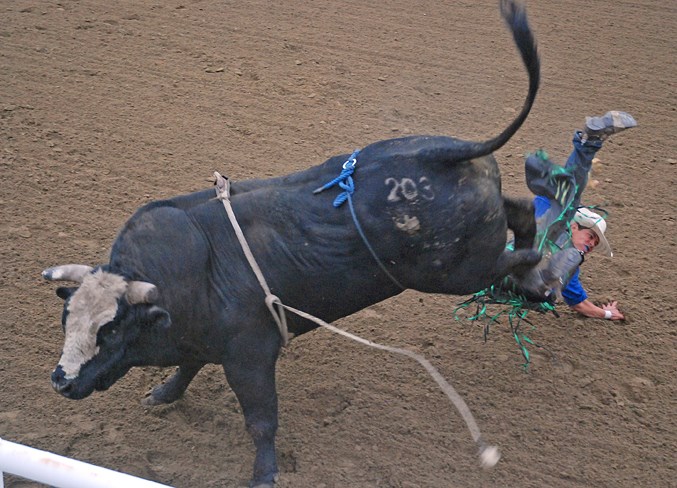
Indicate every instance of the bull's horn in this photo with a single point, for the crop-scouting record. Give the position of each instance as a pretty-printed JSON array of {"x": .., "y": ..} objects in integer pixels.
[
  {"x": 141, "y": 292},
  {"x": 67, "y": 272}
]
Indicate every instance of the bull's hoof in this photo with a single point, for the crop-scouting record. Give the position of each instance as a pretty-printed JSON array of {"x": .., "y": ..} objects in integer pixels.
[
  {"x": 151, "y": 401},
  {"x": 158, "y": 396},
  {"x": 264, "y": 484}
]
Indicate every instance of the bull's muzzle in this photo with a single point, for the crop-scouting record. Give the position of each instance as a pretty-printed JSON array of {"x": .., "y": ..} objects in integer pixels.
[{"x": 60, "y": 383}]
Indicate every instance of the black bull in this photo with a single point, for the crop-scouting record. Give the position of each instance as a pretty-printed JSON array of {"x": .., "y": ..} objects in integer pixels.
[{"x": 178, "y": 290}]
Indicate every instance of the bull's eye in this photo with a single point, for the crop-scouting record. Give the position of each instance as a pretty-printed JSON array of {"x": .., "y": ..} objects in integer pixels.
[{"x": 107, "y": 331}]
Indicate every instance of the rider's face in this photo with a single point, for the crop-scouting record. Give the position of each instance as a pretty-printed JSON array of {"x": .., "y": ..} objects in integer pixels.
[{"x": 583, "y": 239}]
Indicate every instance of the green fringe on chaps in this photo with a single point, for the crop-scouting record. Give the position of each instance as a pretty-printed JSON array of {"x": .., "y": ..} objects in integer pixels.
[{"x": 514, "y": 306}]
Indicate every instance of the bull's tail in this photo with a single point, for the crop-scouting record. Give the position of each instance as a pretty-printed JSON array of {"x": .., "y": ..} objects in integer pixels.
[{"x": 515, "y": 17}]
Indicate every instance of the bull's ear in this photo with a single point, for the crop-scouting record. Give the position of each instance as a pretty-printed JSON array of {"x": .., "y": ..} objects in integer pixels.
[
  {"x": 65, "y": 292},
  {"x": 158, "y": 317}
]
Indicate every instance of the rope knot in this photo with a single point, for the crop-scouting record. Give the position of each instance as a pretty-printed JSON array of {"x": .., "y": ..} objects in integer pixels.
[
  {"x": 344, "y": 181},
  {"x": 276, "y": 309},
  {"x": 222, "y": 184}
]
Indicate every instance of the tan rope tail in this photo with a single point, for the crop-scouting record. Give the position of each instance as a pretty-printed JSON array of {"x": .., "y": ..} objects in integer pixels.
[{"x": 489, "y": 455}]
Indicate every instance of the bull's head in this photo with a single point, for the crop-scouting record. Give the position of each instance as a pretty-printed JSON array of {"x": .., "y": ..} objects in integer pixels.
[{"x": 103, "y": 320}]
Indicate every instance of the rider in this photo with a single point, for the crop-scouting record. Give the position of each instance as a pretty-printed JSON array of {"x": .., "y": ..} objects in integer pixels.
[{"x": 565, "y": 238}]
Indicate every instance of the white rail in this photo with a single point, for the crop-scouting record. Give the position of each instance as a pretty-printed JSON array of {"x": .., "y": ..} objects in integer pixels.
[{"x": 62, "y": 472}]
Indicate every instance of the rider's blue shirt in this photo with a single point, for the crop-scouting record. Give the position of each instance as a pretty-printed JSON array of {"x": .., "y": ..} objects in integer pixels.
[{"x": 573, "y": 293}]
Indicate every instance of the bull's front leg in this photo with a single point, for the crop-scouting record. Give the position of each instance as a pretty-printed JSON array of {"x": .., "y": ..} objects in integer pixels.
[
  {"x": 250, "y": 371},
  {"x": 174, "y": 387}
]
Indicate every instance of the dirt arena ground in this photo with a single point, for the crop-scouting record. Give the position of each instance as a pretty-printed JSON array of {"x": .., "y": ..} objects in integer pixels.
[{"x": 107, "y": 105}]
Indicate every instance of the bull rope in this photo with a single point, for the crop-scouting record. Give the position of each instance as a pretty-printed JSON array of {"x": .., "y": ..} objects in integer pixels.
[
  {"x": 489, "y": 454},
  {"x": 272, "y": 302}
]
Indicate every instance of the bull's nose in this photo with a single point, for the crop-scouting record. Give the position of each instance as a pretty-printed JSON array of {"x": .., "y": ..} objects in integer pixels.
[{"x": 60, "y": 383}]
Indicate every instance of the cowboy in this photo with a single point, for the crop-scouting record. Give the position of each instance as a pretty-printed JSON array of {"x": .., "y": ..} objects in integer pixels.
[
  {"x": 587, "y": 234},
  {"x": 558, "y": 193}
]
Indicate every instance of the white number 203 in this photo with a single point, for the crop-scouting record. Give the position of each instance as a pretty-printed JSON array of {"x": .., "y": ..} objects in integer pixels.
[{"x": 408, "y": 189}]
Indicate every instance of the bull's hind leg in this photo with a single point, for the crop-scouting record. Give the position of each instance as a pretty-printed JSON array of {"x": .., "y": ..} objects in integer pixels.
[
  {"x": 517, "y": 262},
  {"x": 521, "y": 220},
  {"x": 520, "y": 216},
  {"x": 172, "y": 389}
]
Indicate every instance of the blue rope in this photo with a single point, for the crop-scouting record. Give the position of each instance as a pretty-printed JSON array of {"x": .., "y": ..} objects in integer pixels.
[
  {"x": 344, "y": 181},
  {"x": 366, "y": 242}
]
